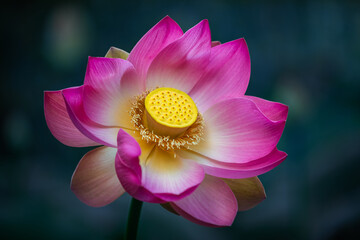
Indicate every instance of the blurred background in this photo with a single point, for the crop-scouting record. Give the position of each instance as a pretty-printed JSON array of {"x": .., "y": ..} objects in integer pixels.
[{"x": 305, "y": 54}]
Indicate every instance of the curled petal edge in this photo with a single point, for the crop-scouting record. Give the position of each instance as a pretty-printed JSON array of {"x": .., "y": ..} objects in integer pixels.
[
  {"x": 60, "y": 124},
  {"x": 96, "y": 132},
  {"x": 128, "y": 169},
  {"x": 237, "y": 170}
]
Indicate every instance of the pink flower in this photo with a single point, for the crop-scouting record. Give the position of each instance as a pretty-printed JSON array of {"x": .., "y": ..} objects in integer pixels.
[{"x": 176, "y": 126}]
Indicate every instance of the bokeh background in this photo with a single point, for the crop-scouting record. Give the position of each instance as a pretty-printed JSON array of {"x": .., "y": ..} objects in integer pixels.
[{"x": 305, "y": 54}]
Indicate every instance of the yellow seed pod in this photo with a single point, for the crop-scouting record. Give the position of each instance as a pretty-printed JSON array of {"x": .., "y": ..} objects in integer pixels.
[{"x": 170, "y": 108}]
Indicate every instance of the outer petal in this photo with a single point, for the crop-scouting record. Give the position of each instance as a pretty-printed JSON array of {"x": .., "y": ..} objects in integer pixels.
[
  {"x": 96, "y": 132},
  {"x": 227, "y": 75},
  {"x": 169, "y": 208},
  {"x": 117, "y": 53},
  {"x": 94, "y": 181},
  {"x": 156, "y": 39},
  {"x": 211, "y": 204},
  {"x": 237, "y": 170},
  {"x": 148, "y": 182},
  {"x": 273, "y": 110},
  {"x": 249, "y": 192},
  {"x": 110, "y": 84},
  {"x": 59, "y": 122},
  {"x": 181, "y": 64},
  {"x": 215, "y": 43},
  {"x": 238, "y": 132}
]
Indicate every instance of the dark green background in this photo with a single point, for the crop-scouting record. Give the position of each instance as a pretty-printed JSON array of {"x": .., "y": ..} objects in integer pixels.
[{"x": 305, "y": 54}]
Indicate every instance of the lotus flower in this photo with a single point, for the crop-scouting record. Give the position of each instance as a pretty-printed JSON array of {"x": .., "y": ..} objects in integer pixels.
[{"x": 175, "y": 125}]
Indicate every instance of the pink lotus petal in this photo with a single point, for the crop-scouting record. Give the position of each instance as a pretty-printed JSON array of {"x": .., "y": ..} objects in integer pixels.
[
  {"x": 155, "y": 40},
  {"x": 151, "y": 175},
  {"x": 132, "y": 183},
  {"x": 96, "y": 132},
  {"x": 107, "y": 109},
  {"x": 211, "y": 204},
  {"x": 94, "y": 181},
  {"x": 165, "y": 174},
  {"x": 110, "y": 84},
  {"x": 59, "y": 122},
  {"x": 273, "y": 110},
  {"x": 106, "y": 74},
  {"x": 130, "y": 151},
  {"x": 226, "y": 76},
  {"x": 180, "y": 65},
  {"x": 128, "y": 169},
  {"x": 237, "y": 170},
  {"x": 238, "y": 132}
]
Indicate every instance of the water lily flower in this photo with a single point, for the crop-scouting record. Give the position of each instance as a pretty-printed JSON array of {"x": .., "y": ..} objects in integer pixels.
[{"x": 175, "y": 125}]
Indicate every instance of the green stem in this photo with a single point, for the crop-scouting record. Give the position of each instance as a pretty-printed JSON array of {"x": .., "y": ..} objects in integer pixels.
[{"x": 133, "y": 219}]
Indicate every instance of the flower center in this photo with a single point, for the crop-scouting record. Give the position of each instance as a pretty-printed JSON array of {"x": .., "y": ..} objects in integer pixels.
[
  {"x": 164, "y": 136},
  {"x": 169, "y": 112}
]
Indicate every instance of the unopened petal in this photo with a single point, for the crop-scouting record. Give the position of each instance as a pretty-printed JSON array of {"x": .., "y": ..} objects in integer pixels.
[
  {"x": 169, "y": 208},
  {"x": 94, "y": 181},
  {"x": 215, "y": 43},
  {"x": 117, "y": 53},
  {"x": 249, "y": 192}
]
